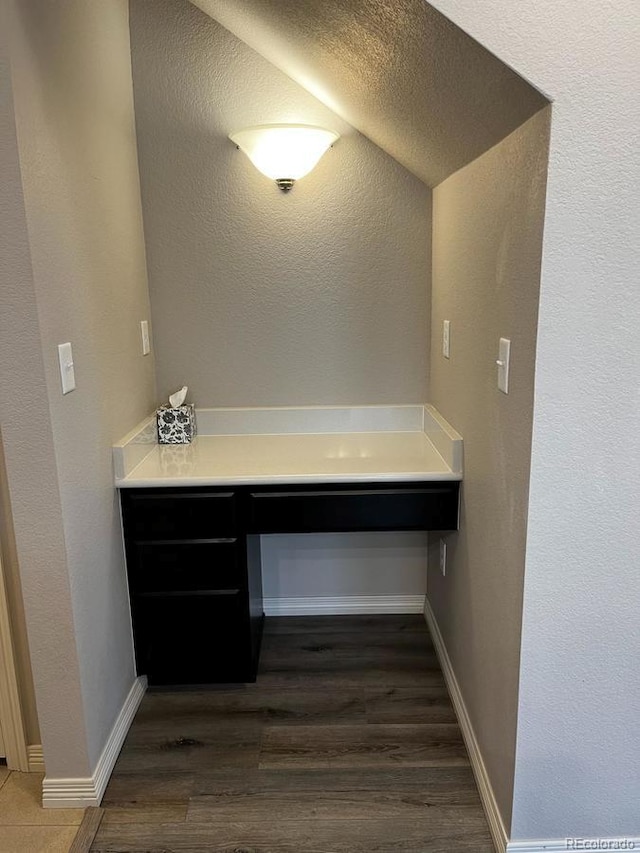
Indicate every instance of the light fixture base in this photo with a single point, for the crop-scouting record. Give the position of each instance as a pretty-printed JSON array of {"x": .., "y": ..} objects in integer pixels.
[{"x": 285, "y": 184}]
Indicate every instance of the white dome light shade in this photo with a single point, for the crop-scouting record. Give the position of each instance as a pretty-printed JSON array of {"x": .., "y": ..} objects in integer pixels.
[{"x": 284, "y": 152}]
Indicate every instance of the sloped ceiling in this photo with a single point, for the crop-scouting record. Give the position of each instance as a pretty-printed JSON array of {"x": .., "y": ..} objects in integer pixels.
[{"x": 397, "y": 70}]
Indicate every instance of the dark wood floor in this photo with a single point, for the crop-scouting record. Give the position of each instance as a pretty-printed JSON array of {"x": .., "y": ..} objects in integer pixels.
[{"x": 347, "y": 743}]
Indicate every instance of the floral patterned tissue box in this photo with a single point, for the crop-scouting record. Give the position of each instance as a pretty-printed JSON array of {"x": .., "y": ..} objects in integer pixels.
[{"x": 176, "y": 425}]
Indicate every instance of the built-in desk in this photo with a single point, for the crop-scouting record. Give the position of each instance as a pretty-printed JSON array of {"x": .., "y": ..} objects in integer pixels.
[{"x": 193, "y": 517}]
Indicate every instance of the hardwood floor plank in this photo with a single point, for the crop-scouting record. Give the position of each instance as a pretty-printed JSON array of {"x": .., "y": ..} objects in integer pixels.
[
  {"x": 147, "y": 813},
  {"x": 199, "y": 713},
  {"x": 331, "y": 795},
  {"x": 314, "y": 805},
  {"x": 325, "y": 661},
  {"x": 167, "y": 756},
  {"x": 253, "y": 705},
  {"x": 229, "y": 704},
  {"x": 145, "y": 787},
  {"x": 206, "y": 726},
  {"x": 445, "y": 786},
  {"x": 443, "y": 832},
  {"x": 319, "y": 678},
  {"x": 409, "y": 705},
  {"x": 362, "y": 746},
  {"x": 87, "y": 830},
  {"x": 175, "y": 741},
  {"x": 313, "y": 707},
  {"x": 349, "y": 642},
  {"x": 359, "y": 666},
  {"x": 359, "y": 624}
]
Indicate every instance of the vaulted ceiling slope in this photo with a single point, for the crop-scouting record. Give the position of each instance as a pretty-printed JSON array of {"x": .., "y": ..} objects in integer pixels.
[{"x": 396, "y": 70}]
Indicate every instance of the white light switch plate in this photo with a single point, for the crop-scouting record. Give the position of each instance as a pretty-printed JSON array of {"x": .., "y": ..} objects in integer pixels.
[
  {"x": 504, "y": 354},
  {"x": 446, "y": 338},
  {"x": 67, "y": 373},
  {"x": 144, "y": 331},
  {"x": 443, "y": 558}
]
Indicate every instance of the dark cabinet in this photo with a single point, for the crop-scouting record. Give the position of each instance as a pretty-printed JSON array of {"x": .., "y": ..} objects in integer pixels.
[
  {"x": 181, "y": 513},
  {"x": 194, "y": 584},
  {"x": 330, "y": 509},
  {"x": 192, "y": 638},
  {"x": 193, "y": 562},
  {"x": 167, "y": 566}
]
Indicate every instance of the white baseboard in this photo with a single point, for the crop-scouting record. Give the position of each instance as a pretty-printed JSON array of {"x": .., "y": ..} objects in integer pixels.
[
  {"x": 36, "y": 758},
  {"x": 88, "y": 791},
  {"x": 343, "y": 604},
  {"x": 554, "y": 845},
  {"x": 494, "y": 818}
]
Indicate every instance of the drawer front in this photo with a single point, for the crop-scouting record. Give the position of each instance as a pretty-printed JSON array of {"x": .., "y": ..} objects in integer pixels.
[
  {"x": 176, "y": 515},
  {"x": 431, "y": 508},
  {"x": 162, "y": 566},
  {"x": 192, "y": 639}
]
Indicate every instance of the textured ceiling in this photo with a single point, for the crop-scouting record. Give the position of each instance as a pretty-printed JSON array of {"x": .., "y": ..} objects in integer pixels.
[{"x": 397, "y": 70}]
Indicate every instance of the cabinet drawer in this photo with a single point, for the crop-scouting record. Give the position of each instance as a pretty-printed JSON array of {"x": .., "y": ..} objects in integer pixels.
[
  {"x": 192, "y": 639},
  {"x": 430, "y": 508},
  {"x": 179, "y": 515},
  {"x": 162, "y": 566}
]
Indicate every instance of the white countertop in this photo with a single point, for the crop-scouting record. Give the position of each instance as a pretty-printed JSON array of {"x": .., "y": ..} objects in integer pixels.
[{"x": 292, "y": 457}]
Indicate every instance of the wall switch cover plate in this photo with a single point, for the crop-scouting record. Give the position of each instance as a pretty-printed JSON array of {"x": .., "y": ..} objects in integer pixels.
[
  {"x": 443, "y": 557},
  {"x": 504, "y": 354},
  {"x": 144, "y": 331},
  {"x": 67, "y": 373},
  {"x": 446, "y": 338}
]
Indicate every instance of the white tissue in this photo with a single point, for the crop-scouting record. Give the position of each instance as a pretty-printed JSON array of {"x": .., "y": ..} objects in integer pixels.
[{"x": 178, "y": 398}]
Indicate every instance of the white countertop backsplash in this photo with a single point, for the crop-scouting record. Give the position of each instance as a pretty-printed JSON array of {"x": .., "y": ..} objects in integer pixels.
[{"x": 295, "y": 445}]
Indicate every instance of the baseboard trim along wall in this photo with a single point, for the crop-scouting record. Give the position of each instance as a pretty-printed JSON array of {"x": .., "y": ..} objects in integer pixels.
[
  {"x": 494, "y": 818},
  {"x": 36, "y": 758},
  {"x": 343, "y": 605},
  {"x": 554, "y": 845},
  {"x": 88, "y": 791}
]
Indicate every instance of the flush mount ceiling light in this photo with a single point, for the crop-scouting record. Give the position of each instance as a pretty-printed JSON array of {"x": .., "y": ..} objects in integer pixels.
[{"x": 284, "y": 152}]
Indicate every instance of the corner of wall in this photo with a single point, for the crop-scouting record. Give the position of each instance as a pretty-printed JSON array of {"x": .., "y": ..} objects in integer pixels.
[{"x": 487, "y": 248}]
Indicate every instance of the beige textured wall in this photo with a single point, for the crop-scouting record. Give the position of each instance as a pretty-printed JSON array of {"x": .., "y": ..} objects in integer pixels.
[
  {"x": 487, "y": 243},
  {"x": 578, "y": 736},
  {"x": 31, "y": 466},
  {"x": 399, "y": 71},
  {"x": 320, "y": 296},
  {"x": 74, "y": 117}
]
